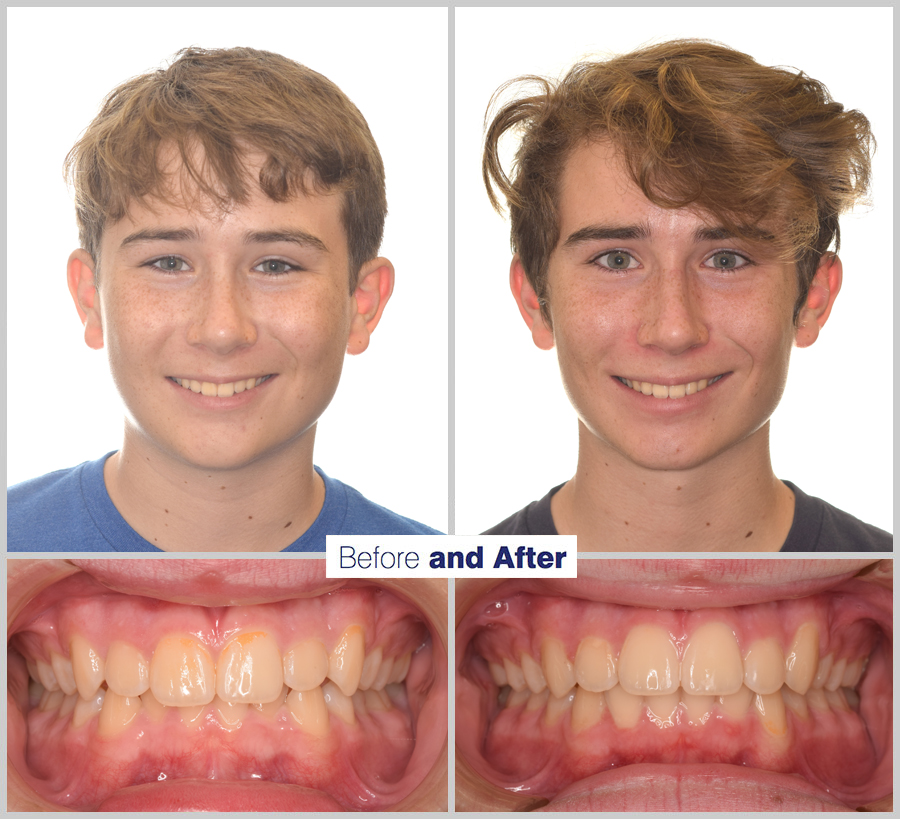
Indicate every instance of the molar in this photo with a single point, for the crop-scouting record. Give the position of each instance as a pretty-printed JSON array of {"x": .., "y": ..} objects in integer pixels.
[
  {"x": 51, "y": 700},
  {"x": 62, "y": 668},
  {"x": 309, "y": 711},
  {"x": 558, "y": 669},
  {"x": 346, "y": 660},
  {"x": 68, "y": 705},
  {"x": 625, "y": 708},
  {"x": 384, "y": 674},
  {"x": 587, "y": 710},
  {"x": 117, "y": 713},
  {"x": 370, "y": 668},
  {"x": 802, "y": 658},
  {"x": 648, "y": 662},
  {"x": 498, "y": 674},
  {"x": 182, "y": 673},
  {"x": 250, "y": 669},
  {"x": 306, "y": 665},
  {"x": 127, "y": 671},
  {"x": 595, "y": 667},
  {"x": 338, "y": 703},
  {"x": 534, "y": 677},
  {"x": 46, "y": 676},
  {"x": 377, "y": 700},
  {"x": 764, "y": 666},
  {"x": 401, "y": 668},
  {"x": 87, "y": 666}
]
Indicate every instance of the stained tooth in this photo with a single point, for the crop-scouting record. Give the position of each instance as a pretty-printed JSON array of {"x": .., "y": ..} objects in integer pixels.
[
  {"x": 712, "y": 662},
  {"x": 498, "y": 674},
  {"x": 270, "y": 709},
  {"x": 68, "y": 705},
  {"x": 225, "y": 390},
  {"x": 595, "y": 668},
  {"x": 250, "y": 669},
  {"x": 370, "y": 668},
  {"x": 764, "y": 666},
  {"x": 208, "y": 388},
  {"x": 401, "y": 668},
  {"x": 152, "y": 707},
  {"x": 587, "y": 710},
  {"x": 537, "y": 702},
  {"x": 852, "y": 674},
  {"x": 517, "y": 698},
  {"x": 660, "y": 391},
  {"x": 306, "y": 665},
  {"x": 230, "y": 714},
  {"x": 625, "y": 708},
  {"x": 182, "y": 673},
  {"x": 240, "y": 386},
  {"x": 86, "y": 709},
  {"x": 557, "y": 706},
  {"x": 346, "y": 660},
  {"x": 192, "y": 715},
  {"x": 648, "y": 662},
  {"x": 802, "y": 658},
  {"x": 117, "y": 713},
  {"x": 309, "y": 711},
  {"x": 514, "y": 675},
  {"x": 534, "y": 677},
  {"x": 735, "y": 705},
  {"x": 646, "y": 388},
  {"x": 795, "y": 702},
  {"x": 87, "y": 666},
  {"x": 698, "y": 707},
  {"x": 691, "y": 388},
  {"x": 661, "y": 709},
  {"x": 823, "y": 672},
  {"x": 771, "y": 713},
  {"x": 558, "y": 669},
  {"x": 384, "y": 674},
  {"x": 196, "y": 386},
  {"x": 338, "y": 703},
  {"x": 127, "y": 671},
  {"x": 51, "y": 700},
  {"x": 702, "y": 383},
  {"x": 46, "y": 676},
  {"x": 62, "y": 668},
  {"x": 836, "y": 700},
  {"x": 834, "y": 679}
]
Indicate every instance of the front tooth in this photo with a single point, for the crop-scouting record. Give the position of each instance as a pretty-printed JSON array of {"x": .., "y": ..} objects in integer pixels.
[
  {"x": 86, "y": 709},
  {"x": 182, "y": 673},
  {"x": 587, "y": 710},
  {"x": 270, "y": 709},
  {"x": 117, "y": 713},
  {"x": 514, "y": 675},
  {"x": 191, "y": 715},
  {"x": 346, "y": 660},
  {"x": 625, "y": 708},
  {"x": 46, "y": 676},
  {"x": 660, "y": 391},
  {"x": 225, "y": 390},
  {"x": 833, "y": 683},
  {"x": 370, "y": 668},
  {"x": 712, "y": 662},
  {"x": 250, "y": 669},
  {"x": 771, "y": 713},
  {"x": 802, "y": 658},
  {"x": 534, "y": 677},
  {"x": 62, "y": 668},
  {"x": 698, "y": 707},
  {"x": 661, "y": 709},
  {"x": 677, "y": 391},
  {"x": 338, "y": 703},
  {"x": 557, "y": 706},
  {"x": 87, "y": 665},
  {"x": 735, "y": 705},
  {"x": 498, "y": 674},
  {"x": 764, "y": 666},
  {"x": 127, "y": 671},
  {"x": 595, "y": 667},
  {"x": 309, "y": 711},
  {"x": 152, "y": 707},
  {"x": 648, "y": 662},
  {"x": 208, "y": 388},
  {"x": 230, "y": 714},
  {"x": 306, "y": 665},
  {"x": 558, "y": 669}
]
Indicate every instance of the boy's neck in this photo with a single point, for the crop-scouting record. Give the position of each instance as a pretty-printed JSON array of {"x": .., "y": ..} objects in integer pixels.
[
  {"x": 262, "y": 507},
  {"x": 732, "y": 503}
]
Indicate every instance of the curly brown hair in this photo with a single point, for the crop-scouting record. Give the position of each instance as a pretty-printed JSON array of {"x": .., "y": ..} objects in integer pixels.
[
  {"x": 697, "y": 124},
  {"x": 213, "y": 106}
]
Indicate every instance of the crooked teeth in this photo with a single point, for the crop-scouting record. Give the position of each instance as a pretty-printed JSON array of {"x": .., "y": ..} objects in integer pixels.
[
  {"x": 306, "y": 666},
  {"x": 250, "y": 669},
  {"x": 674, "y": 391},
  {"x": 221, "y": 390}
]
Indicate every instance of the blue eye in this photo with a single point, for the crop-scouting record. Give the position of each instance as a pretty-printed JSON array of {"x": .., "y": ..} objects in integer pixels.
[{"x": 616, "y": 260}]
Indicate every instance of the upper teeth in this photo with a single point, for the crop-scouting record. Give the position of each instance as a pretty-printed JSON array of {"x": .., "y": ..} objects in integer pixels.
[
  {"x": 220, "y": 390},
  {"x": 675, "y": 391}
]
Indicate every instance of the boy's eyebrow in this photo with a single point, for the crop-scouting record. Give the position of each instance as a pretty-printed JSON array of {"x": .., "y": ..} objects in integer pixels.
[
  {"x": 160, "y": 234},
  {"x": 600, "y": 233},
  {"x": 297, "y": 237}
]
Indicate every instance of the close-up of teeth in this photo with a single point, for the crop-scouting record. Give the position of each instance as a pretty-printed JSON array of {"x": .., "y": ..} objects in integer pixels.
[
  {"x": 673, "y": 391},
  {"x": 211, "y": 389}
]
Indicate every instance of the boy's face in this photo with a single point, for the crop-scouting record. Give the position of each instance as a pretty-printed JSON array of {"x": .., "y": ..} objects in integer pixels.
[
  {"x": 252, "y": 305},
  {"x": 655, "y": 297}
]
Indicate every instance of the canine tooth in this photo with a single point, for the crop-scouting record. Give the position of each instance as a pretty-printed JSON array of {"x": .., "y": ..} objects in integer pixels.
[
  {"x": 587, "y": 710},
  {"x": 51, "y": 700},
  {"x": 152, "y": 707},
  {"x": 306, "y": 665},
  {"x": 127, "y": 671},
  {"x": 771, "y": 713},
  {"x": 702, "y": 384},
  {"x": 346, "y": 660},
  {"x": 635, "y": 385},
  {"x": 836, "y": 700},
  {"x": 690, "y": 388},
  {"x": 117, "y": 713},
  {"x": 536, "y": 702},
  {"x": 338, "y": 703},
  {"x": 595, "y": 667},
  {"x": 698, "y": 707},
  {"x": 534, "y": 677},
  {"x": 823, "y": 671},
  {"x": 558, "y": 669},
  {"x": 377, "y": 700},
  {"x": 625, "y": 708},
  {"x": 764, "y": 666},
  {"x": 230, "y": 714},
  {"x": 250, "y": 669},
  {"x": 517, "y": 698},
  {"x": 712, "y": 662},
  {"x": 370, "y": 668},
  {"x": 661, "y": 709},
  {"x": 852, "y": 698},
  {"x": 557, "y": 706},
  {"x": 62, "y": 669},
  {"x": 498, "y": 674},
  {"x": 401, "y": 668},
  {"x": 852, "y": 674},
  {"x": 648, "y": 662},
  {"x": 736, "y": 705},
  {"x": 86, "y": 709},
  {"x": 240, "y": 386},
  {"x": 191, "y": 715},
  {"x": 270, "y": 709},
  {"x": 802, "y": 658},
  {"x": 182, "y": 673},
  {"x": 46, "y": 676},
  {"x": 68, "y": 705},
  {"x": 309, "y": 711},
  {"x": 795, "y": 702},
  {"x": 834, "y": 679},
  {"x": 514, "y": 675},
  {"x": 87, "y": 665}
]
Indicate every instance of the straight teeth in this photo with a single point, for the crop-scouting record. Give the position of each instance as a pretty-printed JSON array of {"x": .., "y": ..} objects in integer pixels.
[
  {"x": 219, "y": 390},
  {"x": 675, "y": 391}
]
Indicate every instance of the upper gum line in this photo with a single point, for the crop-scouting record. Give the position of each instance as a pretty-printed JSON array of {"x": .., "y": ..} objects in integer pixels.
[{"x": 211, "y": 388}]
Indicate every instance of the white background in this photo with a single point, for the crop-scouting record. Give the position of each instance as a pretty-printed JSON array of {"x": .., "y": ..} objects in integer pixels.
[
  {"x": 386, "y": 431},
  {"x": 516, "y": 434}
]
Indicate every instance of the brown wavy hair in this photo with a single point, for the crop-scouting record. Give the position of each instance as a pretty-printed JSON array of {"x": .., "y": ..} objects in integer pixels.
[
  {"x": 697, "y": 124},
  {"x": 213, "y": 106}
]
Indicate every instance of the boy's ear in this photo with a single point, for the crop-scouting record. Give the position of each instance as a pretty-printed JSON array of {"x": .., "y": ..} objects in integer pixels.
[
  {"x": 529, "y": 305},
  {"x": 826, "y": 284},
  {"x": 376, "y": 283},
  {"x": 82, "y": 286}
]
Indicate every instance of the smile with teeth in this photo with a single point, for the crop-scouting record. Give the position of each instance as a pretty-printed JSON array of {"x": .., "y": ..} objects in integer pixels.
[
  {"x": 212, "y": 389},
  {"x": 664, "y": 391}
]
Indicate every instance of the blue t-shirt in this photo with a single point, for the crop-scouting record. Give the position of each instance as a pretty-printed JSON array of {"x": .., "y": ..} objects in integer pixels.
[{"x": 71, "y": 511}]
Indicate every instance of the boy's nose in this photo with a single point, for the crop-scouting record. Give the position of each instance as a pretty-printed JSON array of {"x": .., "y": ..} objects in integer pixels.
[
  {"x": 223, "y": 321},
  {"x": 672, "y": 314}
]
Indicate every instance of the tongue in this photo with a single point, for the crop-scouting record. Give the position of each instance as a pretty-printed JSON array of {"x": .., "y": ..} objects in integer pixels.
[
  {"x": 690, "y": 787},
  {"x": 206, "y": 795}
]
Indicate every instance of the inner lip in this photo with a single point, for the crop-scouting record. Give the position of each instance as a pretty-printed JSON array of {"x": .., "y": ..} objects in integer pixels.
[
  {"x": 216, "y": 583},
  {"x": 670, "y": 585}
]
